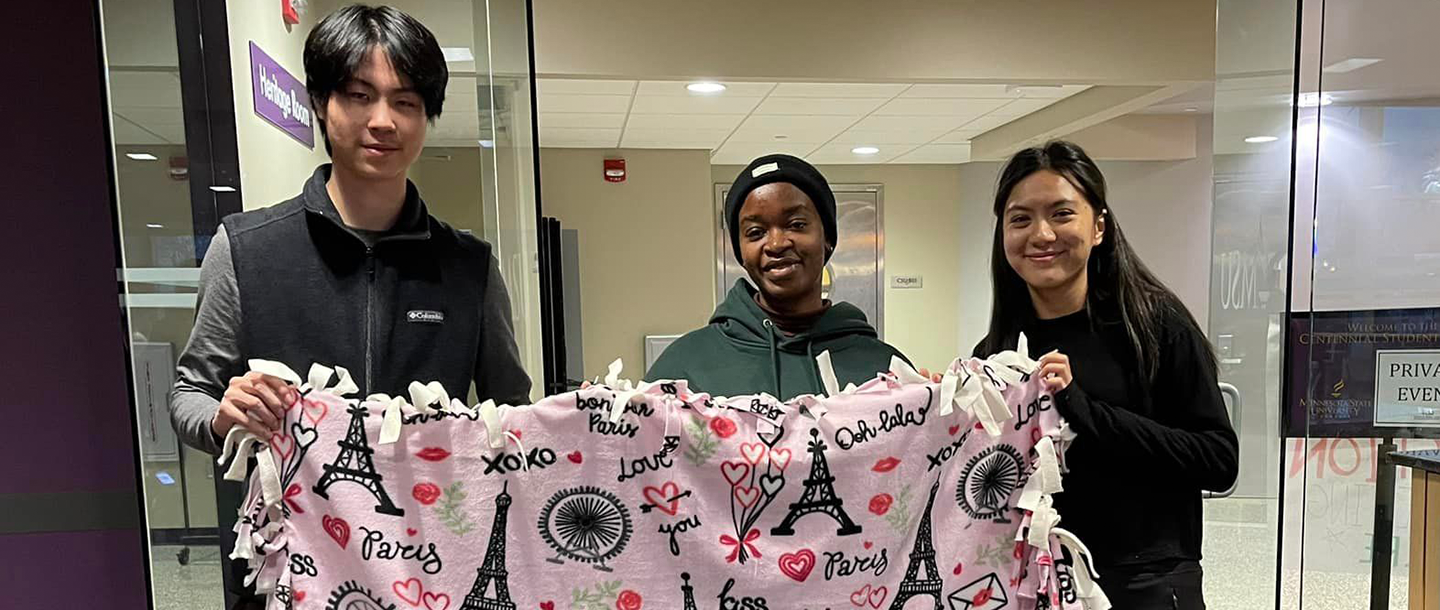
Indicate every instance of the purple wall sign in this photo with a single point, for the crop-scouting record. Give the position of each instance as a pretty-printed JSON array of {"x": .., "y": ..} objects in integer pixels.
[{"x": 281, "y": 98}]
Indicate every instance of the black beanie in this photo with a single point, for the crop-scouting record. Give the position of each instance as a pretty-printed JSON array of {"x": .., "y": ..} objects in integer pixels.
[{"x": 781, "y": 168}]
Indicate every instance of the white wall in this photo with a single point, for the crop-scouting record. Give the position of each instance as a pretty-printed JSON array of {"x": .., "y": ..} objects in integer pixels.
[
  {"x": 1164, "y": 207},
  {"x": 449, "y": 181},
  {"x": 273, "y": 165},
  {"x": 647, "y": 260}
]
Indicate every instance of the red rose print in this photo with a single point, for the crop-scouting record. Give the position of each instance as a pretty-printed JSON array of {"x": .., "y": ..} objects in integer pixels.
[
  {"x": 981, "y": 597},
  {"x": 426, "y": 493},
  {"x": 722, "y": 427},
  {"x": 628, "y": 600},
  {"x": 880, "y": 504}
]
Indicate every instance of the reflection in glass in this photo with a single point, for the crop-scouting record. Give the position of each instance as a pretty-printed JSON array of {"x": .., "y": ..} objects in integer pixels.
[
  {"x": 160, "y": 256},
  {"x": 1368, "y": 136}
]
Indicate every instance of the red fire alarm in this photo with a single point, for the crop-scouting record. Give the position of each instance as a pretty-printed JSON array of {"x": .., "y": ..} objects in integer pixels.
[
  {"x": 288, "y": 12},
  {"x": 179, "y": 168},
  {"x": 614, "y": 170}
]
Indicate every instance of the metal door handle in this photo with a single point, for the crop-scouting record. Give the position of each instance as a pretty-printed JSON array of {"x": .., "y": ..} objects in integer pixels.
[{"x": 1232, "y": 407}]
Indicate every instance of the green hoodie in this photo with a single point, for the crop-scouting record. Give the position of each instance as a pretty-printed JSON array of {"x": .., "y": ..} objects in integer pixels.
[{"x": 741, "y": 351}]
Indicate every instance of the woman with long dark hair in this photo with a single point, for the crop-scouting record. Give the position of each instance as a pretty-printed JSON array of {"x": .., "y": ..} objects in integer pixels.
[{"x": 1131, "y": 371}]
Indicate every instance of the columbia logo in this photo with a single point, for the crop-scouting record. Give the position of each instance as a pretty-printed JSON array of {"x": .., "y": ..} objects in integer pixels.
[{"x": 424, "y": 315}]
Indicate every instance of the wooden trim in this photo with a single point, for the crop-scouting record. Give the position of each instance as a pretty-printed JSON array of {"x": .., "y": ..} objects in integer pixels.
[
  {"x": 1430, "y": 570},
  {"x": 1417, "y": 538}
]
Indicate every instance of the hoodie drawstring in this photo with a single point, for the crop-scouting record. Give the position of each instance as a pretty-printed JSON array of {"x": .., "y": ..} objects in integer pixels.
[
  {"x": 814, "y": 368},
  {"x": 818, "y": 385},
  {"x": 774, "y": 357}
]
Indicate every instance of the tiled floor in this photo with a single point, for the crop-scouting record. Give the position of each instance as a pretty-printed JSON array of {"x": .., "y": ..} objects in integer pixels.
[
  {"x": 195, "y": 586},
  {"x": 1240, "y": 556}
]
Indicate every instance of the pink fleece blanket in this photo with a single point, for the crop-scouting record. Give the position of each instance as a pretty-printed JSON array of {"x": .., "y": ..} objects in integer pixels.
[{"x": 901, "y": 493}]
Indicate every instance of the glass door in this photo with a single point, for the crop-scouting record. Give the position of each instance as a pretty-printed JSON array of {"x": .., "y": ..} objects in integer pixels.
[
  {"x": 192, "y": 147},
  {"x": 1254, "y": 80},
  {"x": 163, "y": 238},
  {"x": 1366, "y": 322}
]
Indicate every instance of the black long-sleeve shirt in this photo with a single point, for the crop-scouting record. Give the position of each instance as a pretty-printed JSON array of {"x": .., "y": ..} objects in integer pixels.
[{"x": 1143, "y": 451}]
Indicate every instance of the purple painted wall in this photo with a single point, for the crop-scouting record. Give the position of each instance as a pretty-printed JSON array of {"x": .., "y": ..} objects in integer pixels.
[{"x": 62, "y": 353}]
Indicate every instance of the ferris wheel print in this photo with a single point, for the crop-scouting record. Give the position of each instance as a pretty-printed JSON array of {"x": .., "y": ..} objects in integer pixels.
[
  {"x": 585, "y": 524},
  {"x": 987, "y": 482}
]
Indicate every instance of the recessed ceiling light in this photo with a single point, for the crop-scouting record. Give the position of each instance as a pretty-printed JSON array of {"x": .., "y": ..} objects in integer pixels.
[
  {"x": 141, "y": 156},
  {"x": 152, "y": 225},
  {"x": 222, "y": 189},
  {"x": 1261, "y": 139},
  {"x": 865, "y": 150},
  {"x": 1312, "y": 99},
  {"x": 705, "y": 87},
  {"x": 1192, "y": 109},
  {"x": 453, "y": 54},
  {"x": 1350, "y": 65}
]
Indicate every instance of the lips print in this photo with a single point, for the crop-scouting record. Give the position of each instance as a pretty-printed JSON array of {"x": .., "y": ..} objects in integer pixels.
[
  {"x": 886, "y": 464},
  {"x": 433, "y": 454}
]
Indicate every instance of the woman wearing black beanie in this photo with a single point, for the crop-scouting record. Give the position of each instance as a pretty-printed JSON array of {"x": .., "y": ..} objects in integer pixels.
[{"x": 764, "y": 338}]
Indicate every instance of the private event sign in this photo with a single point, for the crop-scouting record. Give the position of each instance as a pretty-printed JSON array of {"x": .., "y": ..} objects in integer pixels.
[
  {"x": 1407, "y": 387},
  {"x": 280, "y": 98},
  {"x": 1342, "y": 387}
]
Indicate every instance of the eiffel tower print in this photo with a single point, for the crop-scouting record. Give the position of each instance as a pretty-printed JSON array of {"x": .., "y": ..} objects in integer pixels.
[
  {"x": 689, "y": 592},
  {"x": 922, "y": 556},
  {"x": 819, "y": 496},
  {"x": 493, "y": 568},
  {"x": 355, "y": 464}
]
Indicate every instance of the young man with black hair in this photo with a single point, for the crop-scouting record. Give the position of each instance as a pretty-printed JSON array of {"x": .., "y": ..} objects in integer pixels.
[{"x": 353, "y": 271}]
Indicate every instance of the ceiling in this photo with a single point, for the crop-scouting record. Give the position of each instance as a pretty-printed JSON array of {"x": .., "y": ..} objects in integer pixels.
[
  {"x": 823, "y": 122},
  {"x": 620, "y": 86},
  {"x": 146, "y": 107}
]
